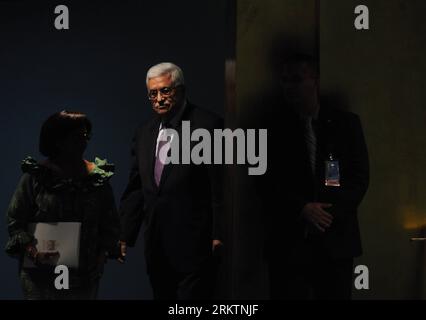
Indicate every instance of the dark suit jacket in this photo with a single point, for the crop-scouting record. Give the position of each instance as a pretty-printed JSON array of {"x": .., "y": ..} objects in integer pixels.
[
  {"x": 183, "y": 214},
  {"x": 291, "y": 184}
]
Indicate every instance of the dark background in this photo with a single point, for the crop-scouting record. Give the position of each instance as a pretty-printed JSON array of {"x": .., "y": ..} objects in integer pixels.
[{"x": 98, "y": 66}]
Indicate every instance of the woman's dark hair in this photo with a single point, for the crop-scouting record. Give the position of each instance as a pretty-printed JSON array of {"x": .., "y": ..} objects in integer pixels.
[{"x": 57, "y": 127}]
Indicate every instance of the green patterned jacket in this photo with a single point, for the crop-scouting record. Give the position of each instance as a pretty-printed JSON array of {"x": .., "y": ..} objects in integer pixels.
[{"x": 42, "y": 196}]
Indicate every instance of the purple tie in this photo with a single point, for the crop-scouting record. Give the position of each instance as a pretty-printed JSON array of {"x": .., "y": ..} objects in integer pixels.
[{"x": 158, "y": 170}]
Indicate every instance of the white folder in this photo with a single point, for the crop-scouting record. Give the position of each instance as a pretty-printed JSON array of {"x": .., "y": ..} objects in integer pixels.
[{"x": 63, "y": 237}]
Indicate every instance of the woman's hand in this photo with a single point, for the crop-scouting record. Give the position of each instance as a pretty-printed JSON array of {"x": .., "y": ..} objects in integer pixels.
[{"x": 39, "y": 257}]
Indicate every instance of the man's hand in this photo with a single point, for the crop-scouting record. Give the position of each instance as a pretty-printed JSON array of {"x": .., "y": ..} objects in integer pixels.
[
  {"x": 123, "y": 251},
  {"x": 314, "y": 213},
  {"x": 216, "y": 244}
]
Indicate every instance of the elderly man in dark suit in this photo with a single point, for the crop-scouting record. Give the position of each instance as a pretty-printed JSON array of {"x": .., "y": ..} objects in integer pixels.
[
  {"x": 180, "y": 205},
  {"x": 316, "y": 182}
]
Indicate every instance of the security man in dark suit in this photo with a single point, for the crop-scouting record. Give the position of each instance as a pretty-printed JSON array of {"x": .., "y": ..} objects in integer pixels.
[
  {"x": 317, "y": 177},
  {"x": 180, "y": 205}
]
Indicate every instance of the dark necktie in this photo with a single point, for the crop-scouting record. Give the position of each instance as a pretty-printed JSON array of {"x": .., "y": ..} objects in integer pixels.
[{"x": 311, "y": 143}]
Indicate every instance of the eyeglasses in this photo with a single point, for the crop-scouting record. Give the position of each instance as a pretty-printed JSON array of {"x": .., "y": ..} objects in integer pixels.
[
  {"x": 81, "y": 135},
  {"x": 87, "y": 136},
  {"x": 165, "y": 92}
]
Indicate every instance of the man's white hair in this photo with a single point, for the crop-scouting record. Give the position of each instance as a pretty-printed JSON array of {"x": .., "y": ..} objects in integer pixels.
[{"x": 166, "y": 68}]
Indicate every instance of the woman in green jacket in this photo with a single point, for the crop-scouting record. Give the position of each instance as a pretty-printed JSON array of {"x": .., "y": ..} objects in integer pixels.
[{"x": 63, "y": 188}]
